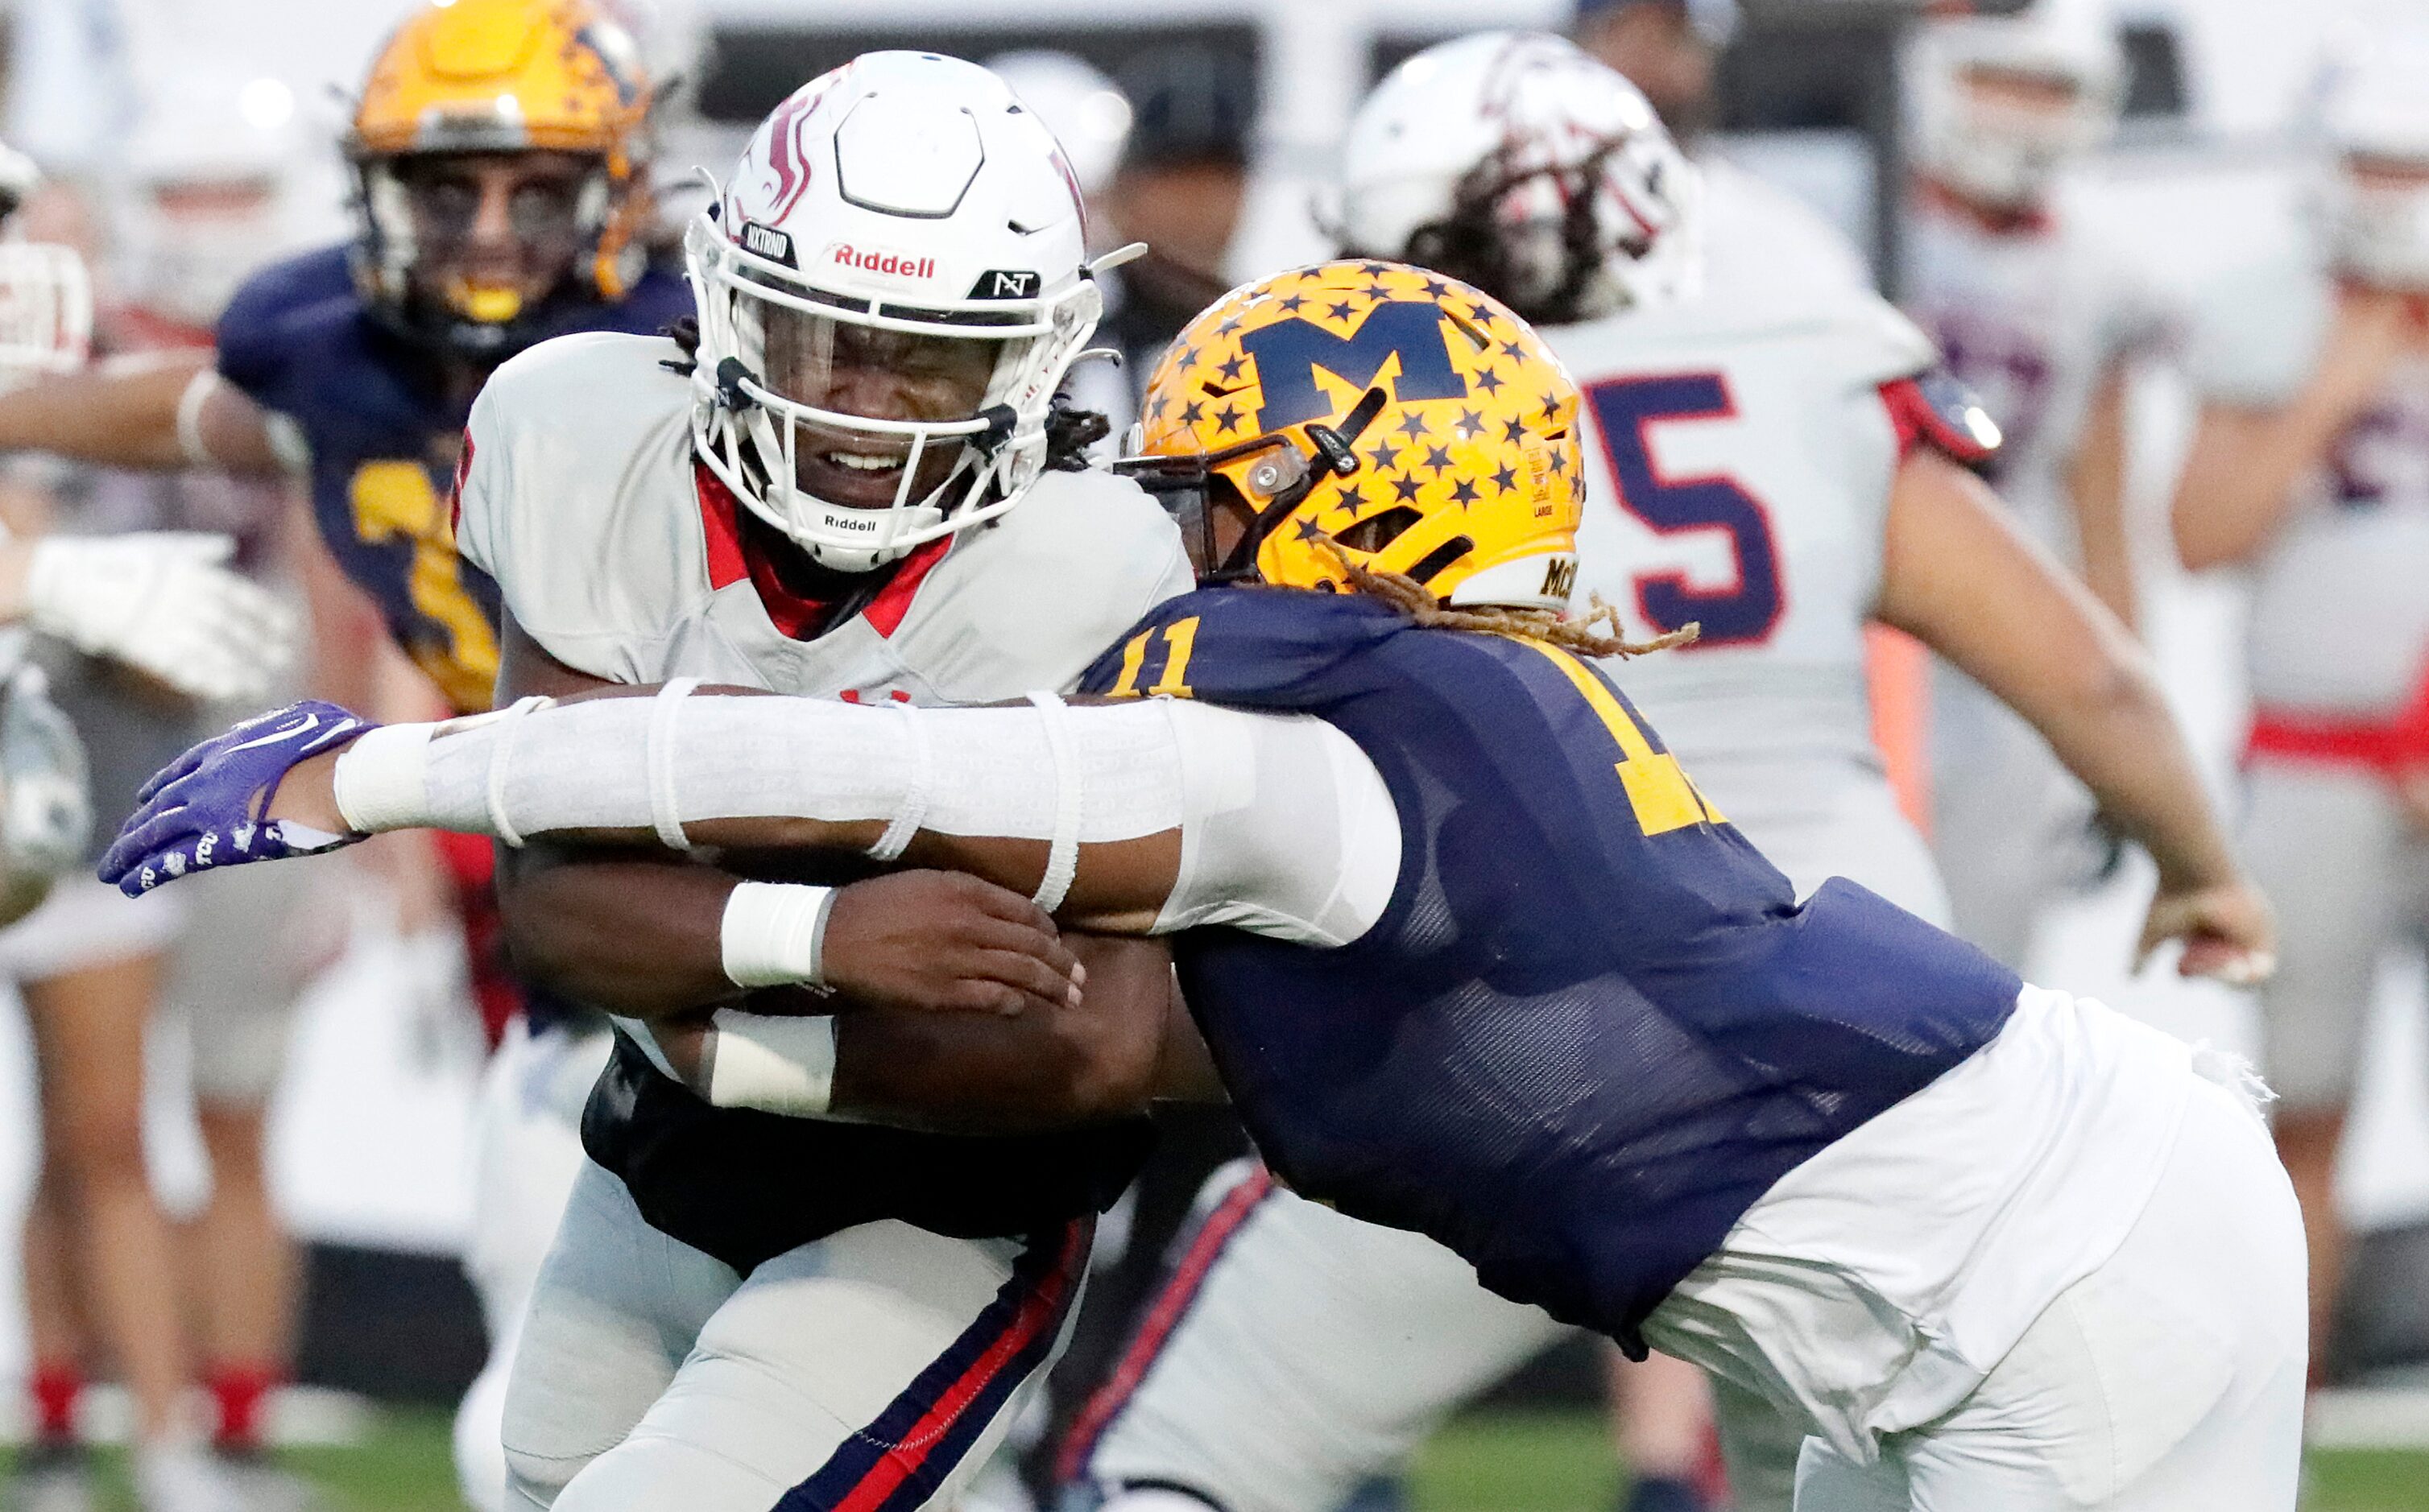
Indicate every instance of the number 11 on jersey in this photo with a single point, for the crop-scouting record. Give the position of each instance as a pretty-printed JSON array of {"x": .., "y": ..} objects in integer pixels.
[{"x": 1172, "y": 679}]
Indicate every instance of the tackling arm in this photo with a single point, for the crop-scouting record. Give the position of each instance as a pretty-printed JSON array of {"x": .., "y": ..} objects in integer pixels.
[
  {"x": 166, "y": 411},
  {"x": 2096, "y": 489},
  {"x": 640, "y": 932},
  {"x": 1959, "y": 578}
]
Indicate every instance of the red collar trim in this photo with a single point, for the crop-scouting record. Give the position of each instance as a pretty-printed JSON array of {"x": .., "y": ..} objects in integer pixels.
[{"x": 730, "y": 561}]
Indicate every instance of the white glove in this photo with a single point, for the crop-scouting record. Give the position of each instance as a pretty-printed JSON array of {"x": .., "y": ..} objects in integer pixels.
[{"x": 159, "y": 602}]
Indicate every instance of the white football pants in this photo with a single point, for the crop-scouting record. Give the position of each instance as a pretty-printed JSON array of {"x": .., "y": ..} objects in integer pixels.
[
  {"x": 2349, "y": 872},
  {"x": 526, "y": 1153},
  {"x": 873, "y": 1371},
  {"x": 2167, "y": 1380},
  {"x": 1296, "y": 1352}
]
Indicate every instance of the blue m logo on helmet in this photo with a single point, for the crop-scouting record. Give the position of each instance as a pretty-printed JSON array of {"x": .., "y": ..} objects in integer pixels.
[{"x": 1288, "y": 354}]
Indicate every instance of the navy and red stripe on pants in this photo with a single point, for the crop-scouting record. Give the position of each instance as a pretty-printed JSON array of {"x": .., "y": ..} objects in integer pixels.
[{"x": 900, "y": 1458}]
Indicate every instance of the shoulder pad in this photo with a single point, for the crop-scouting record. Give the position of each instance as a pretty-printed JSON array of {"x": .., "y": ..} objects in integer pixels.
[
  {"x": 274, "y": 307},
  {"x": 1936, "y": 408}
]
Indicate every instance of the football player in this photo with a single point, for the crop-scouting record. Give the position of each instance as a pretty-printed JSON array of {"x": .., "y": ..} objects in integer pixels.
[
  {"x": 1474, "y": 955},
  {"x": 848, "y": 480},
  {"x": 2035, "y": 309},
  {"x": 501, "y": 152},
  {"x": 2311, "y": 461},
  {"x": 1670, "y": 51},
  {"x": 128, "y": 573},
  {"x": 1776, "y": 463}
]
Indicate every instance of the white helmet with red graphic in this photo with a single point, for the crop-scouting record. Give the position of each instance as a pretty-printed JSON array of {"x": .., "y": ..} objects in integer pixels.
[
  {"x": 2064, "y": 72},
  {"x": 2377, "y": 126},
  {"x": 890, "y": 291},
  {"x": 45, "y": 293},
  {"x": 1517, "y": 163}
]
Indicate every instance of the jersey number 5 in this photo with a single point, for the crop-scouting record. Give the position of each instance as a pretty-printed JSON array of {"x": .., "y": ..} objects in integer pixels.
[{"x": 1626, "y": 410}]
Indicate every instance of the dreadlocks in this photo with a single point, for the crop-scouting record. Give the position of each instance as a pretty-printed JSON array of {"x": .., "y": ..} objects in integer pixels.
[
  {"x": 1472, "y": 245},
  {"x": 1413, "y": 599}
]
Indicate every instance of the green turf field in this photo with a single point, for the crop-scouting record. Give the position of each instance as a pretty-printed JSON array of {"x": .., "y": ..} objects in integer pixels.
[{"x": 1495, "y": 1462}]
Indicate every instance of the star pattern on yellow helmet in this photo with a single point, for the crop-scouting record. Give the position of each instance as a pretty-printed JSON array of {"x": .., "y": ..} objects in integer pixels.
[{"x": 1464, "y": 470}]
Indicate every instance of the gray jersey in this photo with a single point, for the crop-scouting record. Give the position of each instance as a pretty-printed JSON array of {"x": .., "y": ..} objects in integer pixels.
[
  {"x": 622, "y": 559},
  {"x": 2339, "y": 619},
  {"x": 1740, "y": 461},
  {"x": 2032, "y": 318}
]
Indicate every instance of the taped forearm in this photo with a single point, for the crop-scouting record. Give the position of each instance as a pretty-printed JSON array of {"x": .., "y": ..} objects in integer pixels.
[
  {"x": 665, "y": 763},
  {"x": 1285, "y": 827}
]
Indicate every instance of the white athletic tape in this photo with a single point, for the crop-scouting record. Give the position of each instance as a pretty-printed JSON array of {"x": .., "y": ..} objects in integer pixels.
[
  {"x": 381, "y": 780},
  {"x": 777, "y": 1065},
  {"x": 501, "y": 762},
  {"x": 1063, "y": 854},
  {"x": 773, "y": 934},
  {"x": 913, "y": 811},
  {"x": 665, "y": 816},
  {"x": 196, "y": 394}
]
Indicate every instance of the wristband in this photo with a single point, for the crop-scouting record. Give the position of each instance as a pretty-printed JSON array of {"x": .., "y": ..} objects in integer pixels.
[
  {"x": 197, "y": 393},
  {"x": 773, "y": 934},
  {"x": 381, "y": 781}
]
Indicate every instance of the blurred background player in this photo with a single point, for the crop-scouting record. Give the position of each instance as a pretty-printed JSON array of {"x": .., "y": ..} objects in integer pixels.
[
  {"x": 1179, "y": 184},
  {"x": 2037, "y": 311},
  {"x": 100, "y": 1260},
  {"x": 2311, "y": 463},
  {"x": 208, "y": 190},
  {"x": 1091, "y": 117},
  {"x": 1778, "y": 462},
  {"x": 1669, "y": 49},
  {"x": 501, "y": 155}
]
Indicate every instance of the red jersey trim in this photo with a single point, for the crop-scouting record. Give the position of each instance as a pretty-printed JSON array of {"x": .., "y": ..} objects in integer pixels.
[
  {"x": 2383, "y": 745},
  {"x": 1919, "y": 422},
  {"x": 886, "y": 612},
  {"x": 799, "y": 618},
  {"x": 720, "y": 528}
]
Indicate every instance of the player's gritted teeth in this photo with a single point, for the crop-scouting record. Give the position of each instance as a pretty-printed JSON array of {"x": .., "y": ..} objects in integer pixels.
[{"x": 864, "y": 472}]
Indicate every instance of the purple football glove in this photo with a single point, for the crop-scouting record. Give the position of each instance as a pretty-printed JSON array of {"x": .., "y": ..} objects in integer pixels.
[{"x": 204, "y": 809}]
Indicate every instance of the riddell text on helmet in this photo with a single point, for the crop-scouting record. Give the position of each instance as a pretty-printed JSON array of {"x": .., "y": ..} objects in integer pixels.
[{"x": 893, "y": 264}]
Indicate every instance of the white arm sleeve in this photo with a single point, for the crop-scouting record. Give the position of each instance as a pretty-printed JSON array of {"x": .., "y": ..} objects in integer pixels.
[{"x": 1287, "y": 828}]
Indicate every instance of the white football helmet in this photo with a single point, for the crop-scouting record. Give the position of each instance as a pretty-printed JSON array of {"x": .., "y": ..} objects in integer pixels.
[
  {"x": 207, "y": 171},
  {"x": 1514, "y": 161},
  {"x": 45, "y": 293},
  {"x": 1087, "y": 112},
  {"x": 1998, "y": 156},
  {"x": 902, "y": 224},
  {"x": 2378, "y": 117}
]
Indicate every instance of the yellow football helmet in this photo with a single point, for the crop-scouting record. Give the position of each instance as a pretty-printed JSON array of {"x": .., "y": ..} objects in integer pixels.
[
  {"x": 1412, "y": 420},
  {"x": 487, "y": 77}
]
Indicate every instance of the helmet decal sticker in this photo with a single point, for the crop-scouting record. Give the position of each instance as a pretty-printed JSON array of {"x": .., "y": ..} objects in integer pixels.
[
  {"x": 1288, "y": 354},
  {"x": 768, "y": 242}
]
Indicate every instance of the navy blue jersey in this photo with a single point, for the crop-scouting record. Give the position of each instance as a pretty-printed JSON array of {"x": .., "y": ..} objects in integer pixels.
[
  {"x": 1593, "y": 1024},
  {"x": 385, "y": 425}
]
